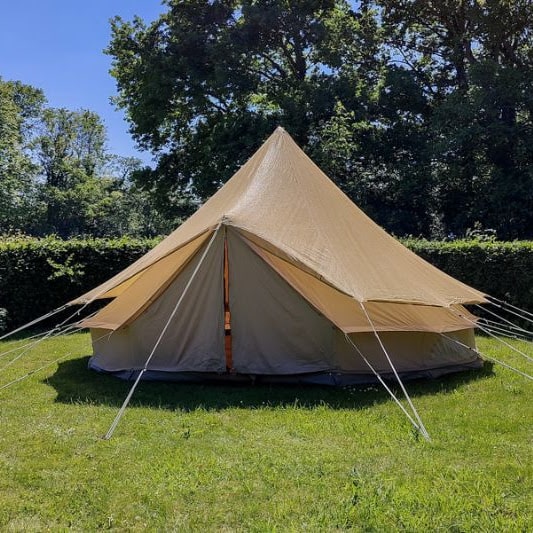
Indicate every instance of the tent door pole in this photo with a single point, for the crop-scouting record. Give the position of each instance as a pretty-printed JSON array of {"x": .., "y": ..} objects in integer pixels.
[{"x": 227, "y": 313}]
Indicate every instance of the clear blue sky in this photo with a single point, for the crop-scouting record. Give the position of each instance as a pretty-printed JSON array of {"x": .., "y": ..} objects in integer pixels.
[{"x": 57, "y": 45}]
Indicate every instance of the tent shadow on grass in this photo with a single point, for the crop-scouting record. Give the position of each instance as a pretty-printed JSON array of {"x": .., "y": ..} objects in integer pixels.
[{"x": 75, "y": 383}]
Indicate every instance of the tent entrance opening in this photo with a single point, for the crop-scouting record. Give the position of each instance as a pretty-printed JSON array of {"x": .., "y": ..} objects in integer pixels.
[{"x": 227, "y": 313}]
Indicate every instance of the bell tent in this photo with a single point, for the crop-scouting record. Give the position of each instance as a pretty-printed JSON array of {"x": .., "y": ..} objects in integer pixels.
[{"x": 280, "y": 276}]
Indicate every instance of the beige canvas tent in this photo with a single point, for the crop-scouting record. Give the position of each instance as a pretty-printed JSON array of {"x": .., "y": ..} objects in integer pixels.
[{"x": 279, "y": 275}]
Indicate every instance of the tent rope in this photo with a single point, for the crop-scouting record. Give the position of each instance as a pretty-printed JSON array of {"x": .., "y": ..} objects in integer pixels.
[
  {"x": 22, "y": 346},
  {"x": 62, "y": 329},
  {"x": 33, "y": 322},
  {"x": 31, "y": 372},
  {"x": 510, "y": 324},
  {"x": 407, "y": 397},
  {"x": 55, "y": 332},
  {"x": 521, "y": 317},
  {"x": 70, "y": 329},
  {"x": 54, "y": 329},
  {"x": 513, "y": 329},
  {"x": 488, "y": 357},
  {"x": 382, "y": 381},
  {"x": 504, "y": 329},
  {"x": 505, "y": 333},
  {"x": 492, "y": 335},
  {"x": 52, "y": 313},
  {"x": 505, "y": 305},
  {"x": 25, "y": 339},
  {"x": 113, "y": 426}
]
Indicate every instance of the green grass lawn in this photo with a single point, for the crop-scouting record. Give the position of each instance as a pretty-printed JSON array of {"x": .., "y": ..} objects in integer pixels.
[{"x": 236, "y": 458}]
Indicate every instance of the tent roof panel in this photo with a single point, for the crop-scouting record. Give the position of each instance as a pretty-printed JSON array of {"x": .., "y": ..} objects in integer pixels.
[{"x": 283, "y": 198}]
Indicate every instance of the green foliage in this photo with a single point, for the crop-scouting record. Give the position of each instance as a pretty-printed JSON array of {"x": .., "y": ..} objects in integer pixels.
[
  {"x": 69, "y": 270},
  {"x": 56, "y": 176},
  {"x": 3, "y": 319},
  {"x": 37, "y": 275},
  {"x": 501, "y": 269},
  {"x": 70, "y": 146},
  {"x": 208, "y": 81},
  {"x": 421, "y": 111},
  {"x": 84, "y": 190},
  {"x": 474, "y": 62},
  {"x": 262, "y": 458},
  {"x": 19, "y": 106}
]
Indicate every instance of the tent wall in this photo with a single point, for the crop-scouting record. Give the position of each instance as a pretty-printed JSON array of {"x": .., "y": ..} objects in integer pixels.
[
  {"x": 282, "y": 197},
  {"x": 145, "y": 288},
  {"x": 195, "y": 339},
  {"x": 410, "y": 351},
  {"x": 276, "y": 331},
  {"x": 346, "y": 313}
]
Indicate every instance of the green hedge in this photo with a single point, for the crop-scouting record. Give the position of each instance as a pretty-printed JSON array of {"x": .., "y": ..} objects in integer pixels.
[
  {"x": 501, "y": 269},
  {"x": 37, "y": 275}
]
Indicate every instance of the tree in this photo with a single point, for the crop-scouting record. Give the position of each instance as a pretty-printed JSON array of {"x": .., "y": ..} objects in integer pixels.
[
  {"x": 84, "y": 190},
  {"x": 19, "y": 106},
  {"x": 208, "y": 81},
  {"x": 474, "y": 60},
  {"x": 71, "y": 150},
  {"x": 56, "y": 175}
]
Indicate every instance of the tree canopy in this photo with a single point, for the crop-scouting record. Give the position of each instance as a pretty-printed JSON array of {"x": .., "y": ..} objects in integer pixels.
[
  {"x": 57, "y": 176},
  {"x": 421, "y": 111}
]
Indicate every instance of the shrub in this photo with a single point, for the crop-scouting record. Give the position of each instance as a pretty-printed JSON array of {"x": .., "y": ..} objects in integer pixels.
[
  {"x": 501, "y": 269},
  {"x": 37, "y": 275},
  {"x": 3, "y": 319}
]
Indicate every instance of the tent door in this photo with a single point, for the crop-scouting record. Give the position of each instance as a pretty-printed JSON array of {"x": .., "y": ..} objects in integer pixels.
[{"x": 227, "y": 313}]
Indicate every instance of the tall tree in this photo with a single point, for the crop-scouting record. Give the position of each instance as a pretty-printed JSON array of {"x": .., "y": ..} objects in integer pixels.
[
  {"x": 208, "y": 81},
  {"x": 420, "y": 110},
  {"x": 70, "y": 149},
  {"x": 85, "y": 190},
  {"x": 474, "y": 60},
  {"x": 20, "y": 105}
]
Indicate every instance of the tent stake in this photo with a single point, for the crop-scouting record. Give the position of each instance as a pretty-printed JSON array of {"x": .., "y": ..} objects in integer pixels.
[
  {"x": 382, "y": 381},
  {"x": 407, "y": 397},
  {"x": 113, "y": 426}
]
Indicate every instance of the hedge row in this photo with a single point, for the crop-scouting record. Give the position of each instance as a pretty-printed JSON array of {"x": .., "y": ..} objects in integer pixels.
[
  {"x": 37, "y": 275},
  {"x": 501, "y": 269}
]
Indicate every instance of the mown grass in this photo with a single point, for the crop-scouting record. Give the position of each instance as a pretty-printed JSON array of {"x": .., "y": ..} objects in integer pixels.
[{"x": 263, "y": 458}]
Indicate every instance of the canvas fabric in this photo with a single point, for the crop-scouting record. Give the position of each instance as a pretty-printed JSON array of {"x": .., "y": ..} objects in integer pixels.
[
  {"x": 275, "y": 329},
  {"x": 144, "y": 288},
  {"x": 194, "y": 340},
  {"x": 282, "y": 198},
  {"x": 304, "y": 264},
  {"x": 348, "y": 314}
]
